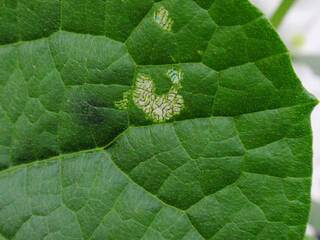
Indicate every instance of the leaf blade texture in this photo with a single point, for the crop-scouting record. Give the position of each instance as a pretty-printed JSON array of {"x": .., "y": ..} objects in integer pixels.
[{"x": 150, "y": 120}]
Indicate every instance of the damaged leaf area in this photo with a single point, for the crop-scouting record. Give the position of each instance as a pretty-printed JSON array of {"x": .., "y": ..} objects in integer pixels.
[
  {"x": 142, "y": 120},
  {"x": 158, "y": 108}
]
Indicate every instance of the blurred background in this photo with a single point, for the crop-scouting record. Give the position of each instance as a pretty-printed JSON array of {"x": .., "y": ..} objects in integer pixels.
[{"x": 298, "y": 22}]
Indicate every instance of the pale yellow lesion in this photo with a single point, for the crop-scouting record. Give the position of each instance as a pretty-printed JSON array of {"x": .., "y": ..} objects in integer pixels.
[
  {"x": 157, "y": 108},
  {"x": 162, "y": 17}
]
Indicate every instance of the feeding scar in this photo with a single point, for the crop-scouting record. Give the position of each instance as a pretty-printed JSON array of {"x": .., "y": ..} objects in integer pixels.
[
  {"x": 161, "y": 16},
  {"x": 158, "y": 108}
]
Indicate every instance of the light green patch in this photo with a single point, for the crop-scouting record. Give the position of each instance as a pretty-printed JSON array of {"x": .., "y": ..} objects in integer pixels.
[
  {"x": 159, "y": 108},
  {"x": 124, "y": 103},
  {"x": 298, "y": 40},
  {"x": 175, "y": 76},
  {"x": 161, "y": 16}
]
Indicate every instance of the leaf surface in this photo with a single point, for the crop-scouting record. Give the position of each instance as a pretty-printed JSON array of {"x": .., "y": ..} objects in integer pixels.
[{"x": 173, "y": 120}]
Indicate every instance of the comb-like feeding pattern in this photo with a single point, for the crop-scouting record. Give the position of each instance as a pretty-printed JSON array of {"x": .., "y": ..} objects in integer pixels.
[
  {"x": 175, "y": 76},
  {"x": 159, "y": 108},
  {"x": 124, "y": 103},
  {"x": 161, "y": 16}
]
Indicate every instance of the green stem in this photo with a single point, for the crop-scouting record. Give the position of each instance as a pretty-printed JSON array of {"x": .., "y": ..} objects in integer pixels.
[{"x": 281, "y": 12}]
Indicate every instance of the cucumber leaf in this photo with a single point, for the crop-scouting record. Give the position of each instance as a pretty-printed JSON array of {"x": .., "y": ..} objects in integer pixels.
[{"x": 140, "y": 120}]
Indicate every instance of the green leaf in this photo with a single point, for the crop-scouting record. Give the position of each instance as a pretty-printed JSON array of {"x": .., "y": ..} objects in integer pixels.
[{"x": 140, "y": 120}]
